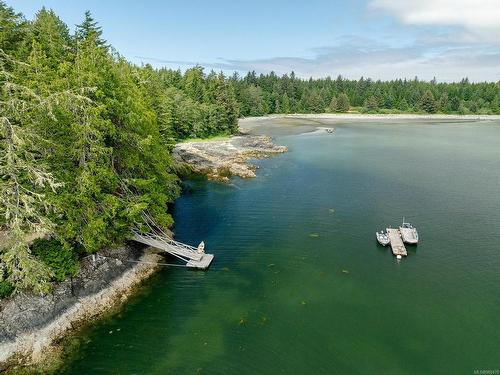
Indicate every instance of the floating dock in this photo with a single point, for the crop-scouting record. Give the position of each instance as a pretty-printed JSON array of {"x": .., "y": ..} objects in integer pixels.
[
  {"x": 398, "y": 248},
  {"x": 195, "y": 257},
  {"x": 202, "y": 264}
]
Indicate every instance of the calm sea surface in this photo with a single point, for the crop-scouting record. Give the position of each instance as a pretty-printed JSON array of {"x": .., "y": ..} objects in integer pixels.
[{"x": 299, "y": 284}]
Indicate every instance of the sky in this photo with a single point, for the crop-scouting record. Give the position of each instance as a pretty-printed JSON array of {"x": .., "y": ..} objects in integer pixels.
[{"x": 380, "y": 39}]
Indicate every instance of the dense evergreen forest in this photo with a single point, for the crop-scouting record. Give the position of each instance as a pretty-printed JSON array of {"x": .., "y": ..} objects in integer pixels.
[
  {"x": 86, "y": 136},
  {"x": 264, "y": 94},
  {"x": 85, "y": 141}
]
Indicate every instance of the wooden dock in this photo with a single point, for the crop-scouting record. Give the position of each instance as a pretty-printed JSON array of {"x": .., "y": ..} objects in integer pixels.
[{"x": 398, "y": 248}]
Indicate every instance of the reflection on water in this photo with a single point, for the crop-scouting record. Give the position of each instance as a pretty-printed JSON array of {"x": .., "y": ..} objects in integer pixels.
[{"x": 299, "y": 284}]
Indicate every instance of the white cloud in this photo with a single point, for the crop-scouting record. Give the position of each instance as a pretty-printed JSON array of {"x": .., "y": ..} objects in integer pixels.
[
  {"x": 462, "y": 39},
  {"x": 386, "y": 63},
  {"x": 354, "y": 57},
  {"x": 479, "y": 19}
]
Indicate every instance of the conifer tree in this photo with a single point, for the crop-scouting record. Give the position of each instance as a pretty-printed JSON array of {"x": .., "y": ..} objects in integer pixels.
[
  {"x": 52, "y": 36},
  {"x": 226, "y": 100},
  {"x": 285, "y": 104},
  {"x": 24, "y": 181},
  {"x": 427, "y": 102},
  {"x": 342, "y": 103},
  {"x": 371, "y": 104},
  {"x": 13, "y": 29},
  {"x": 90, "y": 28},
  {"x": 193, "y": 83},
  {"x": 277, "y": 106},
  {"x": 333, "y": 105}
]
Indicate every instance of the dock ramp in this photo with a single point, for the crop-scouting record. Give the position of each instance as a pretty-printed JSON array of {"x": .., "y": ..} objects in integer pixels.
[{"x": 195, "y": 257}]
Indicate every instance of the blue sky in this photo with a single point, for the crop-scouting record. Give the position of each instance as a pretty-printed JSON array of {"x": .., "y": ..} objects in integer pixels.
[{"x": 381, "y": 39}]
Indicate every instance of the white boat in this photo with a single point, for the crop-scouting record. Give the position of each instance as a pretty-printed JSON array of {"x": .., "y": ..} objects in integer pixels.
[
  {"x": 409, "y": 234},
  {"x": 383, "y": 238}
]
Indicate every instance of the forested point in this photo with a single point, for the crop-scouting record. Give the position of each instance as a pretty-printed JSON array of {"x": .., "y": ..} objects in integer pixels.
[
  {"x": 85, "y": 143},
  {"x": 86, "y": 136}
]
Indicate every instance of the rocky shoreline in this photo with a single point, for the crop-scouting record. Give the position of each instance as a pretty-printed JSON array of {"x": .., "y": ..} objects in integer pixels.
[
  {"x": 31, "y": 325},
  {"x": 220, "y": 159}
]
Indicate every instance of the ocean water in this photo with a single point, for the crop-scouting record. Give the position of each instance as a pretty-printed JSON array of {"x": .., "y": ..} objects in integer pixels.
[{"x": 299, "y": 284}]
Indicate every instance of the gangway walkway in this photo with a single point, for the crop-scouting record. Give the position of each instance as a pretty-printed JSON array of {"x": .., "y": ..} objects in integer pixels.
[{"x": 195, "y": 257}]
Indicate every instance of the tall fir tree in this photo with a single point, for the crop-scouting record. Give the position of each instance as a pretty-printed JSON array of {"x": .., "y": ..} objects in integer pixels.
[
  {"x": 427, "y": 102},
  {"x": 89, "y": 28},
  {"x": 13, "y": 29}
]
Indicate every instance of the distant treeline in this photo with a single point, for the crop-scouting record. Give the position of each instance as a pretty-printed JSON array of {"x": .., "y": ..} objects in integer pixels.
[
  {"x": 264, "y": 94},
  {"x": 86, "y": 136}
]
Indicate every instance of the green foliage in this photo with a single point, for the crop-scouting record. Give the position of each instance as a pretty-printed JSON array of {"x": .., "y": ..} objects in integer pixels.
[
  {"x": 86, "y": 137},
  {"x": 264, "y": 94},
  {"x": 341, "y": 103},
  {"x": 252, "y": 101},
  {"x": 403, "y": 105},
  {"x": 314, "y": 101},
  {"x": 25, "y": 176},
  {"x": 194, "y": 83},
  {"x": 462, "y": 109},
  {"x": 333, "y": 105},
  {"x": 61, "y": 260},
  {"x": 371, "y": 104},
  {"x": 428, "y": 103},
  {"x": 89, "y": 29},
  {"x": 6, "y": 289},
  {"x": 19, "y": 266},
  {"x": 285, "y": 104},
  {"x": 12, "y": 29},
  {"x": 85, "y": 141}
]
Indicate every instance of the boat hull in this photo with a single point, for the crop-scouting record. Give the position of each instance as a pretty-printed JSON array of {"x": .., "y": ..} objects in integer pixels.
[
  {"x": 409, "y": 235},
  {"x": 383, "y": 240}
]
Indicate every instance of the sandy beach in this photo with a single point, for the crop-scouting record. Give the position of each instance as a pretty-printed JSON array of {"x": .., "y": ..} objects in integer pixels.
[
  {"x": 368, "y": 117},
  {"x": 308, "y": 123}
]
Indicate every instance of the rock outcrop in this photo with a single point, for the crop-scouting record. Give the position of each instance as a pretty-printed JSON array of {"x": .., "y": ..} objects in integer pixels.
[{"x": 220, "y": 159}]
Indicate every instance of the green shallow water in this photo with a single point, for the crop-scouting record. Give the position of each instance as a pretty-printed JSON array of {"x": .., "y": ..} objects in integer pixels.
[{"x": 299, "y": 284}]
